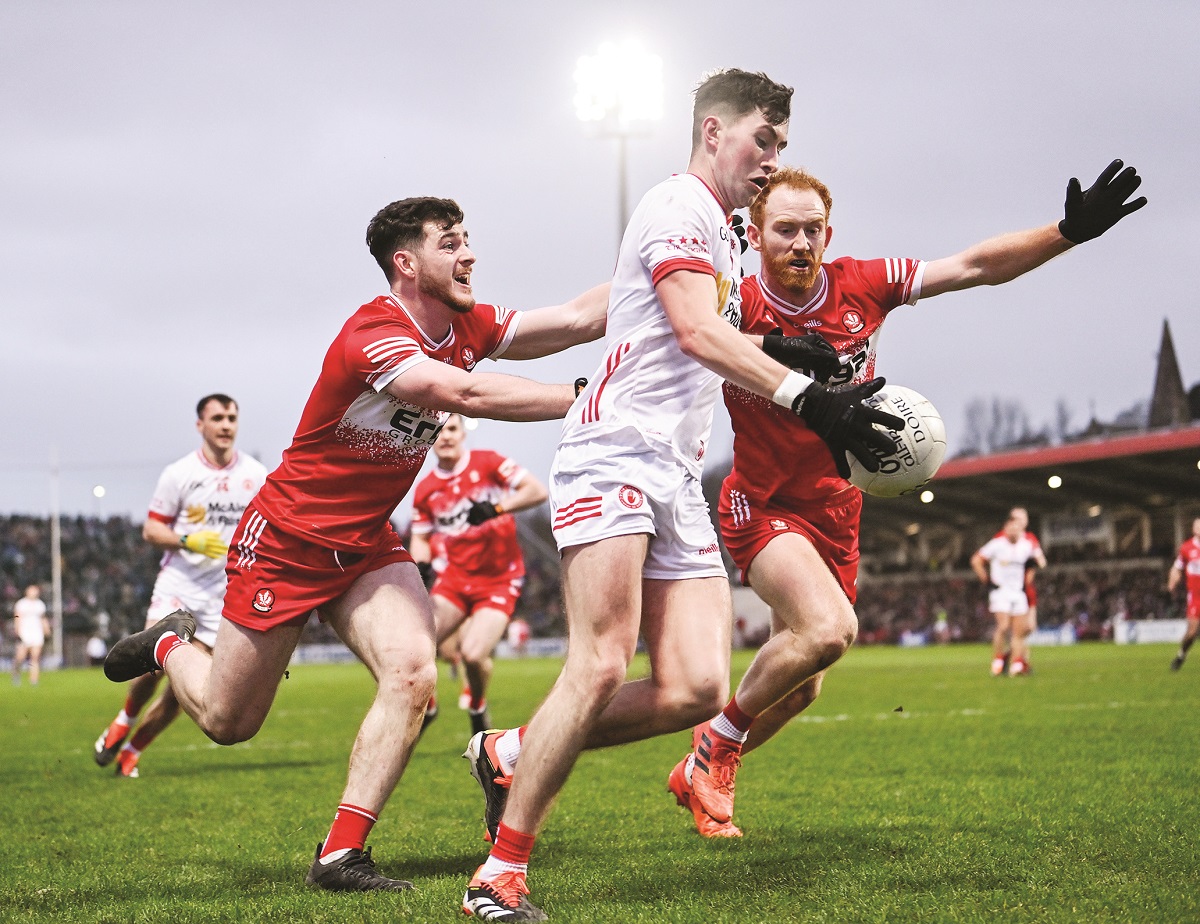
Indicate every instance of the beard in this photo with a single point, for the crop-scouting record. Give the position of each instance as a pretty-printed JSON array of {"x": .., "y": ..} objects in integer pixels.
[
  {"x": 444, "y": 293},
  {"x": 795, "y": 280}
]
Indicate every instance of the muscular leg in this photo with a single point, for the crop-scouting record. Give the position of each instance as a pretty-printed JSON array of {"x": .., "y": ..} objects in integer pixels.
[
  {"x": 163, "y": 711},
  {"x": 141, "y": 689},
  {"x": 768, "y": 723},
  {"x": 687, "y": 627},
  {"x": 602, "y": 585},
  {"x": 819, "y": 622},
  {"x": 1000, "y": 638},
  {"x": 228, "y": 693},
  {"x": 35, "y": 664},
  {"x": 385, "y": 618},
  {"x": 19, "y": 657},
  {"x": 1020, "y": 633},
  {"x": 479, "y": 639}
]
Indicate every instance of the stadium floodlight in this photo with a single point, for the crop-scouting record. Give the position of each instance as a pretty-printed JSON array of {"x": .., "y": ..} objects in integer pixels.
[
  {"x": 98, "y": 491},
  {"x": 1054, "y": 482},
  {"x": 621, "y": 89},
  {"x": 926, "y": 497}
]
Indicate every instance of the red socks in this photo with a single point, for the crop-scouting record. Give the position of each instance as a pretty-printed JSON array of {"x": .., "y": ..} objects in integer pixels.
[{"x": 351, "y": 826}]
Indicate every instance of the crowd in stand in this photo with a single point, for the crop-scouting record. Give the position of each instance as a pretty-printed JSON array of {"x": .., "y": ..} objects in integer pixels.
[
  {"x": 1089, "y": 598},
  {"x": 108, "y": 569}
]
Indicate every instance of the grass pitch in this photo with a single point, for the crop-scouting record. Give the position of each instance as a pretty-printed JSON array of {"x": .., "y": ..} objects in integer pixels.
[{"x": 917, "y": 788}]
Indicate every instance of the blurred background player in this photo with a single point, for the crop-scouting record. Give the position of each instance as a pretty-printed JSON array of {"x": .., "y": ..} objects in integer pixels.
[
  {"x": 789, "y": 517},
  {"x": 639, "y": 551},
  {"x": 318, "y": 536},
  {"x": 468, "y": 499},
  {"x": 1187, "y": 563},
  {"x": 195, "y": 508},
  {"x": 31, "y": 625},
  {"x": 1000, "y": 566}
]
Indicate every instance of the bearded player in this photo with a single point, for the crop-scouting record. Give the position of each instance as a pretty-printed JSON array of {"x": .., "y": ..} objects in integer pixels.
[
  {"x": 469, "y": 498},
  {"x": 788, "y": 515},
  {"x": 317, "y": 535}
]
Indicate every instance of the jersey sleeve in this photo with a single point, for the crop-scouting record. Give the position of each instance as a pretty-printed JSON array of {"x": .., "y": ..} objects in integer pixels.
[
  {"x": 676, "y": 234},
  {"x": 377, "y": 353},
  {"x": 507, "y": 473},
  {"x": 167, "y": 499},
  {"x": 892, "y": 281},
  {"x": 988, "y": 552},
  {"x": 503, "y": 327}
]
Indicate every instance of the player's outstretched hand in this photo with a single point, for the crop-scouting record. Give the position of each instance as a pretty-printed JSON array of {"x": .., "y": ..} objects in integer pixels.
[
  {"x": 1089, "y": 214},
  {"x": 837, "y": 415},
  {"x": 812, "y": 353},
  {"x": 481, "y": 511},
  {"x": 206, "y": 542}
]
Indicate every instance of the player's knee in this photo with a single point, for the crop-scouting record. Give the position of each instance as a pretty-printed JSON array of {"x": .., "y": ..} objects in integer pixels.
[{"x": 231, "y": 728}]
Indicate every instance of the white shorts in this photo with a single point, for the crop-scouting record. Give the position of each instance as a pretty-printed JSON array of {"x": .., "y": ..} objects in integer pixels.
[
  {"x": 1008, "y": 600},
  {"x": 32, "y": 638},
  {"x": 598, "y": 491},
  {"x": 206, "y": 609}
]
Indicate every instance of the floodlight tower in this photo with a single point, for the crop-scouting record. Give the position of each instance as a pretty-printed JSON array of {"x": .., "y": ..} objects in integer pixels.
[{"x": 621, "y": 89}]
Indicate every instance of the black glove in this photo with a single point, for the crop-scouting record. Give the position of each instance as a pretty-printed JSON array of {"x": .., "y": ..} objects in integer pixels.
[
  {"x": 482, "y": 511},
  {"x": 812, "y": 353},
  {"x": 837, "y": 415},
  {"x": 426, "y": 571},
  {"x": 1089, "y": 214},
  {"x": 580, "y": 385}
]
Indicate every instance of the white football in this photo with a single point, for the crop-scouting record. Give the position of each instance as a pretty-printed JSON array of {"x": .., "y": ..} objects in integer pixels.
[{"x": 920, "y": 446}]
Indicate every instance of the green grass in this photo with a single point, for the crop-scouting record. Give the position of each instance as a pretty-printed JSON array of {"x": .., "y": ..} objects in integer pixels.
[{"x": 1070, "y": 795}]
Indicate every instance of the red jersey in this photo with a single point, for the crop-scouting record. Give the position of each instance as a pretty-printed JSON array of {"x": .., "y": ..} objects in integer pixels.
[
  {"x": 1188, "y": 561},
  {"x": 441, "y": 502},
  {"x": 357, "y": 449},
  {"x": 775, "y": 454}
]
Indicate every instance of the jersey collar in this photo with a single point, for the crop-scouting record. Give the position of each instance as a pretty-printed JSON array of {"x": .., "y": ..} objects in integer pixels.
[
  {"x": 429, "y": 342},
  {"x": 457, "y": 470},
  {"x": 785, "y": 307}
]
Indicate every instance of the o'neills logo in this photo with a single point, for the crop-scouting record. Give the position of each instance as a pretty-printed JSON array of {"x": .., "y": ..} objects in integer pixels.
[
  {"x": 264, "y": 599},
  {"x": 778, "y": 525},
  {"x": 630, "y": 496},
  {"x": 468, "y": 357},
  {"x": 852, "y": 321},
  {"x": 710, "y": 549}
]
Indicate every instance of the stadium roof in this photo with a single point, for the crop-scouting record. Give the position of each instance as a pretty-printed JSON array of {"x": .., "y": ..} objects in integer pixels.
[{"x": 1150, "y": 469}]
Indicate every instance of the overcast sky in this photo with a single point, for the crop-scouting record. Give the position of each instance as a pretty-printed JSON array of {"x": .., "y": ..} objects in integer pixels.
[{"x": 185, "y": 191}]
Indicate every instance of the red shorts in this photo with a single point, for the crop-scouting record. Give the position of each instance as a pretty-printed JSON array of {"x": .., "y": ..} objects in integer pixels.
[
  {"x": 277, "y": 579},
  {"x": 832, "y": 530},
  {"x": 1031, "y": 594},
  {"x": 1193, "y": 606},
  {"x": 470, "y": 594}
]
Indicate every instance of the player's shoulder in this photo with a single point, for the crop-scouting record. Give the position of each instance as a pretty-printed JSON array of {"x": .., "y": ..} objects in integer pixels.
[{"x": 249, "y": 466}]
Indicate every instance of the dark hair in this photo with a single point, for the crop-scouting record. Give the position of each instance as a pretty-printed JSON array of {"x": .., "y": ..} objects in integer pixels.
[
  {"x": 401, "y": 226},
  {"x": 223, "y": 400},
  {"x": 738, "y": 93}
]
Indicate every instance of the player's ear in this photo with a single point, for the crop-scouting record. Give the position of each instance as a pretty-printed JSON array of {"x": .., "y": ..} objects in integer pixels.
[
  {"x": 754, "y": 236},
  {"x": 404, "y": 264},
  {"x": 710, "y": 132},
  {"x": 828, "y": 234}
]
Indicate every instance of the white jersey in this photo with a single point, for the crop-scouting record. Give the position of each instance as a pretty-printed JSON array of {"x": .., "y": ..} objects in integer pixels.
[
  {"x": 646, "y": 392},
  {"x": 193, "y": 494},
  {"x": 29, "y": 615},
  {"x": 1006, "y": 560}
]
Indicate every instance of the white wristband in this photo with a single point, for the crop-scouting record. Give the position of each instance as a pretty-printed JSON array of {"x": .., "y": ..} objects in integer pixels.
[{"x": 794, "y": 384}]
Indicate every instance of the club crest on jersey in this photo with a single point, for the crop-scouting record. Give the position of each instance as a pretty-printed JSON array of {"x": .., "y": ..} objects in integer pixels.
[
  {"x": 468, "y": 357},
  {"x": 264, "y": 599},
  {"x": 630, "y": 496},
  {"x": 852, "y": 321},
  {"x": 778, "y": 525}
]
